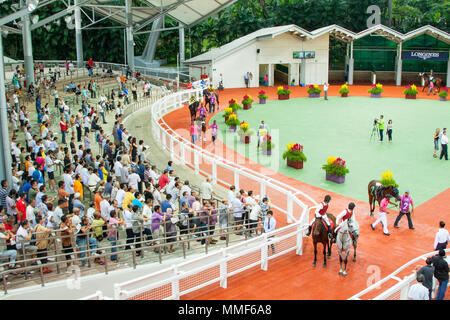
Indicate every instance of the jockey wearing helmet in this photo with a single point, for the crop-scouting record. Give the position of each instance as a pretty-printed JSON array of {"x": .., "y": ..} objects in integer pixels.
[
  {"x": 344, "y": 215},
  {"x": 321, "y": 213}
]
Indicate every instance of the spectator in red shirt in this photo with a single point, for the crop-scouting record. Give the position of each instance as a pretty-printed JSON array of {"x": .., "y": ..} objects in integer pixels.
[
  {"x": 63, "y": 126},
  {"x": 91, "y": 66},
  {"x": 163, "y": 179},
  {"x": 21, "y": 207}
]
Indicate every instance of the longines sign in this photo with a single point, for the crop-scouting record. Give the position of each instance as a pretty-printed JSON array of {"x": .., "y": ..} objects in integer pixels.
[{"x": 425, "y": 55}]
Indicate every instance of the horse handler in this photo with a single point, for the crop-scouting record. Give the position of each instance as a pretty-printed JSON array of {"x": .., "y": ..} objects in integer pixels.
[
  {"x": 382, "y": 212},
  {"x": 405, "y": 203}
]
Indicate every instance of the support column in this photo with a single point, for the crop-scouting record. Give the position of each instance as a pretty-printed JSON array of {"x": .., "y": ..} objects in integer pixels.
[
  {"x": 182, "y": 44},
  {"x": 27, "y": 50},
  {"x": 5, "y": 156},
  {"x": 398, "y": 78},
  {"x": 447, "y": 83},
  {"x": 78, "y": 36},
  {"x": 350, "y": 65},
  {"x": 130, "y": 40},
  {"x": 346, "y": 58},
  {"x": 303, "y": 72},
  {"x": 150, "y": 47},
  {"x": 271, "y": 75}
]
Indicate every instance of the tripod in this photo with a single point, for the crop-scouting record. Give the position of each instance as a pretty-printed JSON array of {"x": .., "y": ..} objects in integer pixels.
[{"x": 375, "y": 132}]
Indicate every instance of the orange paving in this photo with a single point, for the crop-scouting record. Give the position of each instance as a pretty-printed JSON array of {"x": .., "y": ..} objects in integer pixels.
[{"x": 292, "y": 276}]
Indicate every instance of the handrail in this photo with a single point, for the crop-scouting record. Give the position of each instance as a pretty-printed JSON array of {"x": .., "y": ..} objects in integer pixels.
[{"x": 393, "y": 276}]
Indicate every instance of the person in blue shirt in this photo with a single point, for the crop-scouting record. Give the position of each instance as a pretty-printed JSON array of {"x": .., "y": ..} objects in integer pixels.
[
  {"x": 169, "y": 165},
  {"x": 25, "y": 188},
  {"x": 119, "y": 133},
  {"x": 166, "y": 204},
  {"x": 37, "y": 175},
  {"x": 136, "y": 201}
]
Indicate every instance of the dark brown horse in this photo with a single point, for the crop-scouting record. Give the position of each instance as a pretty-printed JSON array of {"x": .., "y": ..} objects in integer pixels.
[
  {"x": 320, "y": 234},
  {"x": 377, "y": 192},
  {"x": 426, "y": 78},
  {"x": 193, "y": 107}
]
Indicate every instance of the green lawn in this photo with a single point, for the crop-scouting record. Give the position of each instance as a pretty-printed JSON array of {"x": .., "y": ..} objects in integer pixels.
[{"x": 341, "y": 127}]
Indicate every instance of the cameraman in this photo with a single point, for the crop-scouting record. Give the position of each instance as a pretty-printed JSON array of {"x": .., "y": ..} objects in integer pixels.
[{"x": 381, "y": 127}]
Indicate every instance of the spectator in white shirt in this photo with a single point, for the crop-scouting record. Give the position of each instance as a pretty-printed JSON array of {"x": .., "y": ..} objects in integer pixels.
[
  {"x": 120, "y": 195},
  {"x": 105, "y": 207},
  {"x": 442, "y": 237},
  {"x": 134, "y": 179},
  {"x": 231, "y": 194},
  {"x": 444, "y": 144},
  {"x": 206, "y": 190},
  {"x": 269, "y": 225},
  {"x": 418, "y": 291}
]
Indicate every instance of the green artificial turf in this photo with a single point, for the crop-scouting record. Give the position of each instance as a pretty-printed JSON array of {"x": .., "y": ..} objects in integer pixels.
[{"x": 341, "y": 127}]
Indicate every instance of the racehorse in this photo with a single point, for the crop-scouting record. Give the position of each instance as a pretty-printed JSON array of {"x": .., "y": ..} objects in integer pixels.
[
  {"x": 347, "y": 236},
  {"x": 320, "y": 234},
  {"x": 377, "y": 192},
  {"x": 437, "y": 82},
  {"x": 193, "y": 107}
]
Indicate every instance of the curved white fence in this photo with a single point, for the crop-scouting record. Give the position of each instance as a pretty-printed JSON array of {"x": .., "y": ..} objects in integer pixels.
[
  {"x": 171, "y": 283},
  {"x": 393, "y": 287},
  {"x": 284, "y": 198}
]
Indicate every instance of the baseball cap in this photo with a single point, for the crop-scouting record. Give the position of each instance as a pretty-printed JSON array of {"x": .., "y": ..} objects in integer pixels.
[{"x": 406, "y": 191}]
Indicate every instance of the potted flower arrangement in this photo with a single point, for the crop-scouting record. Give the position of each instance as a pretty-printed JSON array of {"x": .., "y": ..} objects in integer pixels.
[
  {"x": 376, "y": 90},
  {"x": 387, "y": 179},
  {"x": 410, "y": 92},
  {"x": 344, "y": 91},
  {"x": 262, "y": 97},
  {"x": 247, "y": 102},
  {"x": 283, "y": 92},
  {"x": 295, "y": 156},
  {"x": 227, "y": 113},
  {"x": 314, "y": 91},
  {"x": 335, "y": 170},
  {"x": 232, "y": 122},
  {"x": 245, "y": 132},
  {"x": 443, "y": 94},
  {"x": 234, "y": 105},
  {"x": 267, "y": 145}
]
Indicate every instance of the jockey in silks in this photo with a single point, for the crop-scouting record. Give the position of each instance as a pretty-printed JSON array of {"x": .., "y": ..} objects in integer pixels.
[
  {"x": 321, "y": 213},
  {"x": 344, "y": 215}
]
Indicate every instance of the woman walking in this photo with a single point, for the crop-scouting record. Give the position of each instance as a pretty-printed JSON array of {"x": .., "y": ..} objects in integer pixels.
[
  {"x": 214, "y": 128},
  {"x": 389, "y": 130},
  {"x": 436, "y": 142},
  {"x": 194, "y": 131}
]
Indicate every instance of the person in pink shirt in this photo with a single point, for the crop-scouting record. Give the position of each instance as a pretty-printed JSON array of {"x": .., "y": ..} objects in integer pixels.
[
  {"x": 214, "y": 129},
  {"x": 202, "y": 111},
  {"x": 194, "y": 131},
  {"x": 382, "y": 214}
]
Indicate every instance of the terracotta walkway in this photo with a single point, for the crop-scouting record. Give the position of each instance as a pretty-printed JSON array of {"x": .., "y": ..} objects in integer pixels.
[{"x": 292, "y": 276}]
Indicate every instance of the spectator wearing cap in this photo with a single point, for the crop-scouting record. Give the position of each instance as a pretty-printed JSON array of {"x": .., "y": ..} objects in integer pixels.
[
  {"x": 406, "y": 207},
  {"x": 442, "y": 237},
  {"x": 441, "y": 273},
  {"x": 428, "y": 274},
  {"x": 418, "y": 291}
]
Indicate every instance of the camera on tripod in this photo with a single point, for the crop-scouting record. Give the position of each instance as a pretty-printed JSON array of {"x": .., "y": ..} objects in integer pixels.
[{"x": 375, "y": 122}]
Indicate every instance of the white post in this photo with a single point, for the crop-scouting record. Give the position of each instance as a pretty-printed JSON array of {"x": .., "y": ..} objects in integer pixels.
[
  {"x": 299, "y": 246},
  {"x": 264, "y": 249},
  {"x": 182, "y": 154},
  {"x": 289, "y": 207},
  {"x": 163, "y": 141},
  {"x": 129, "y": 32},
  {"x": 404, "y": 291},
  {"x": 116, "y": 291},
  {"x": 346, "y": 57},
  {"x": 223, "y": 270},
  {"x": 214, "y": 172},
  {"x": 350, "y": 65},
  {"x": 236, "y": 179},
  {"x": 196, "y": 163},
  {"x": 171, "y": 147},
  {"x": 263, "y": 189},
  {"x": 175, "y": 284}
]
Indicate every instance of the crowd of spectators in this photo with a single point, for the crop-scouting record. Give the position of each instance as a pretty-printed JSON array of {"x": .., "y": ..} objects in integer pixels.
[{"x": 129, "y": 197}]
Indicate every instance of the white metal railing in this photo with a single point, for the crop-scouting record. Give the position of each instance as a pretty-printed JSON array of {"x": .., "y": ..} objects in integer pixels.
[
  {"x": 217, "y": 266},
  {"x": 399, "y": 290},
  {"x": 96, "y": 296},
  {"x": 177, "y": 280}
]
